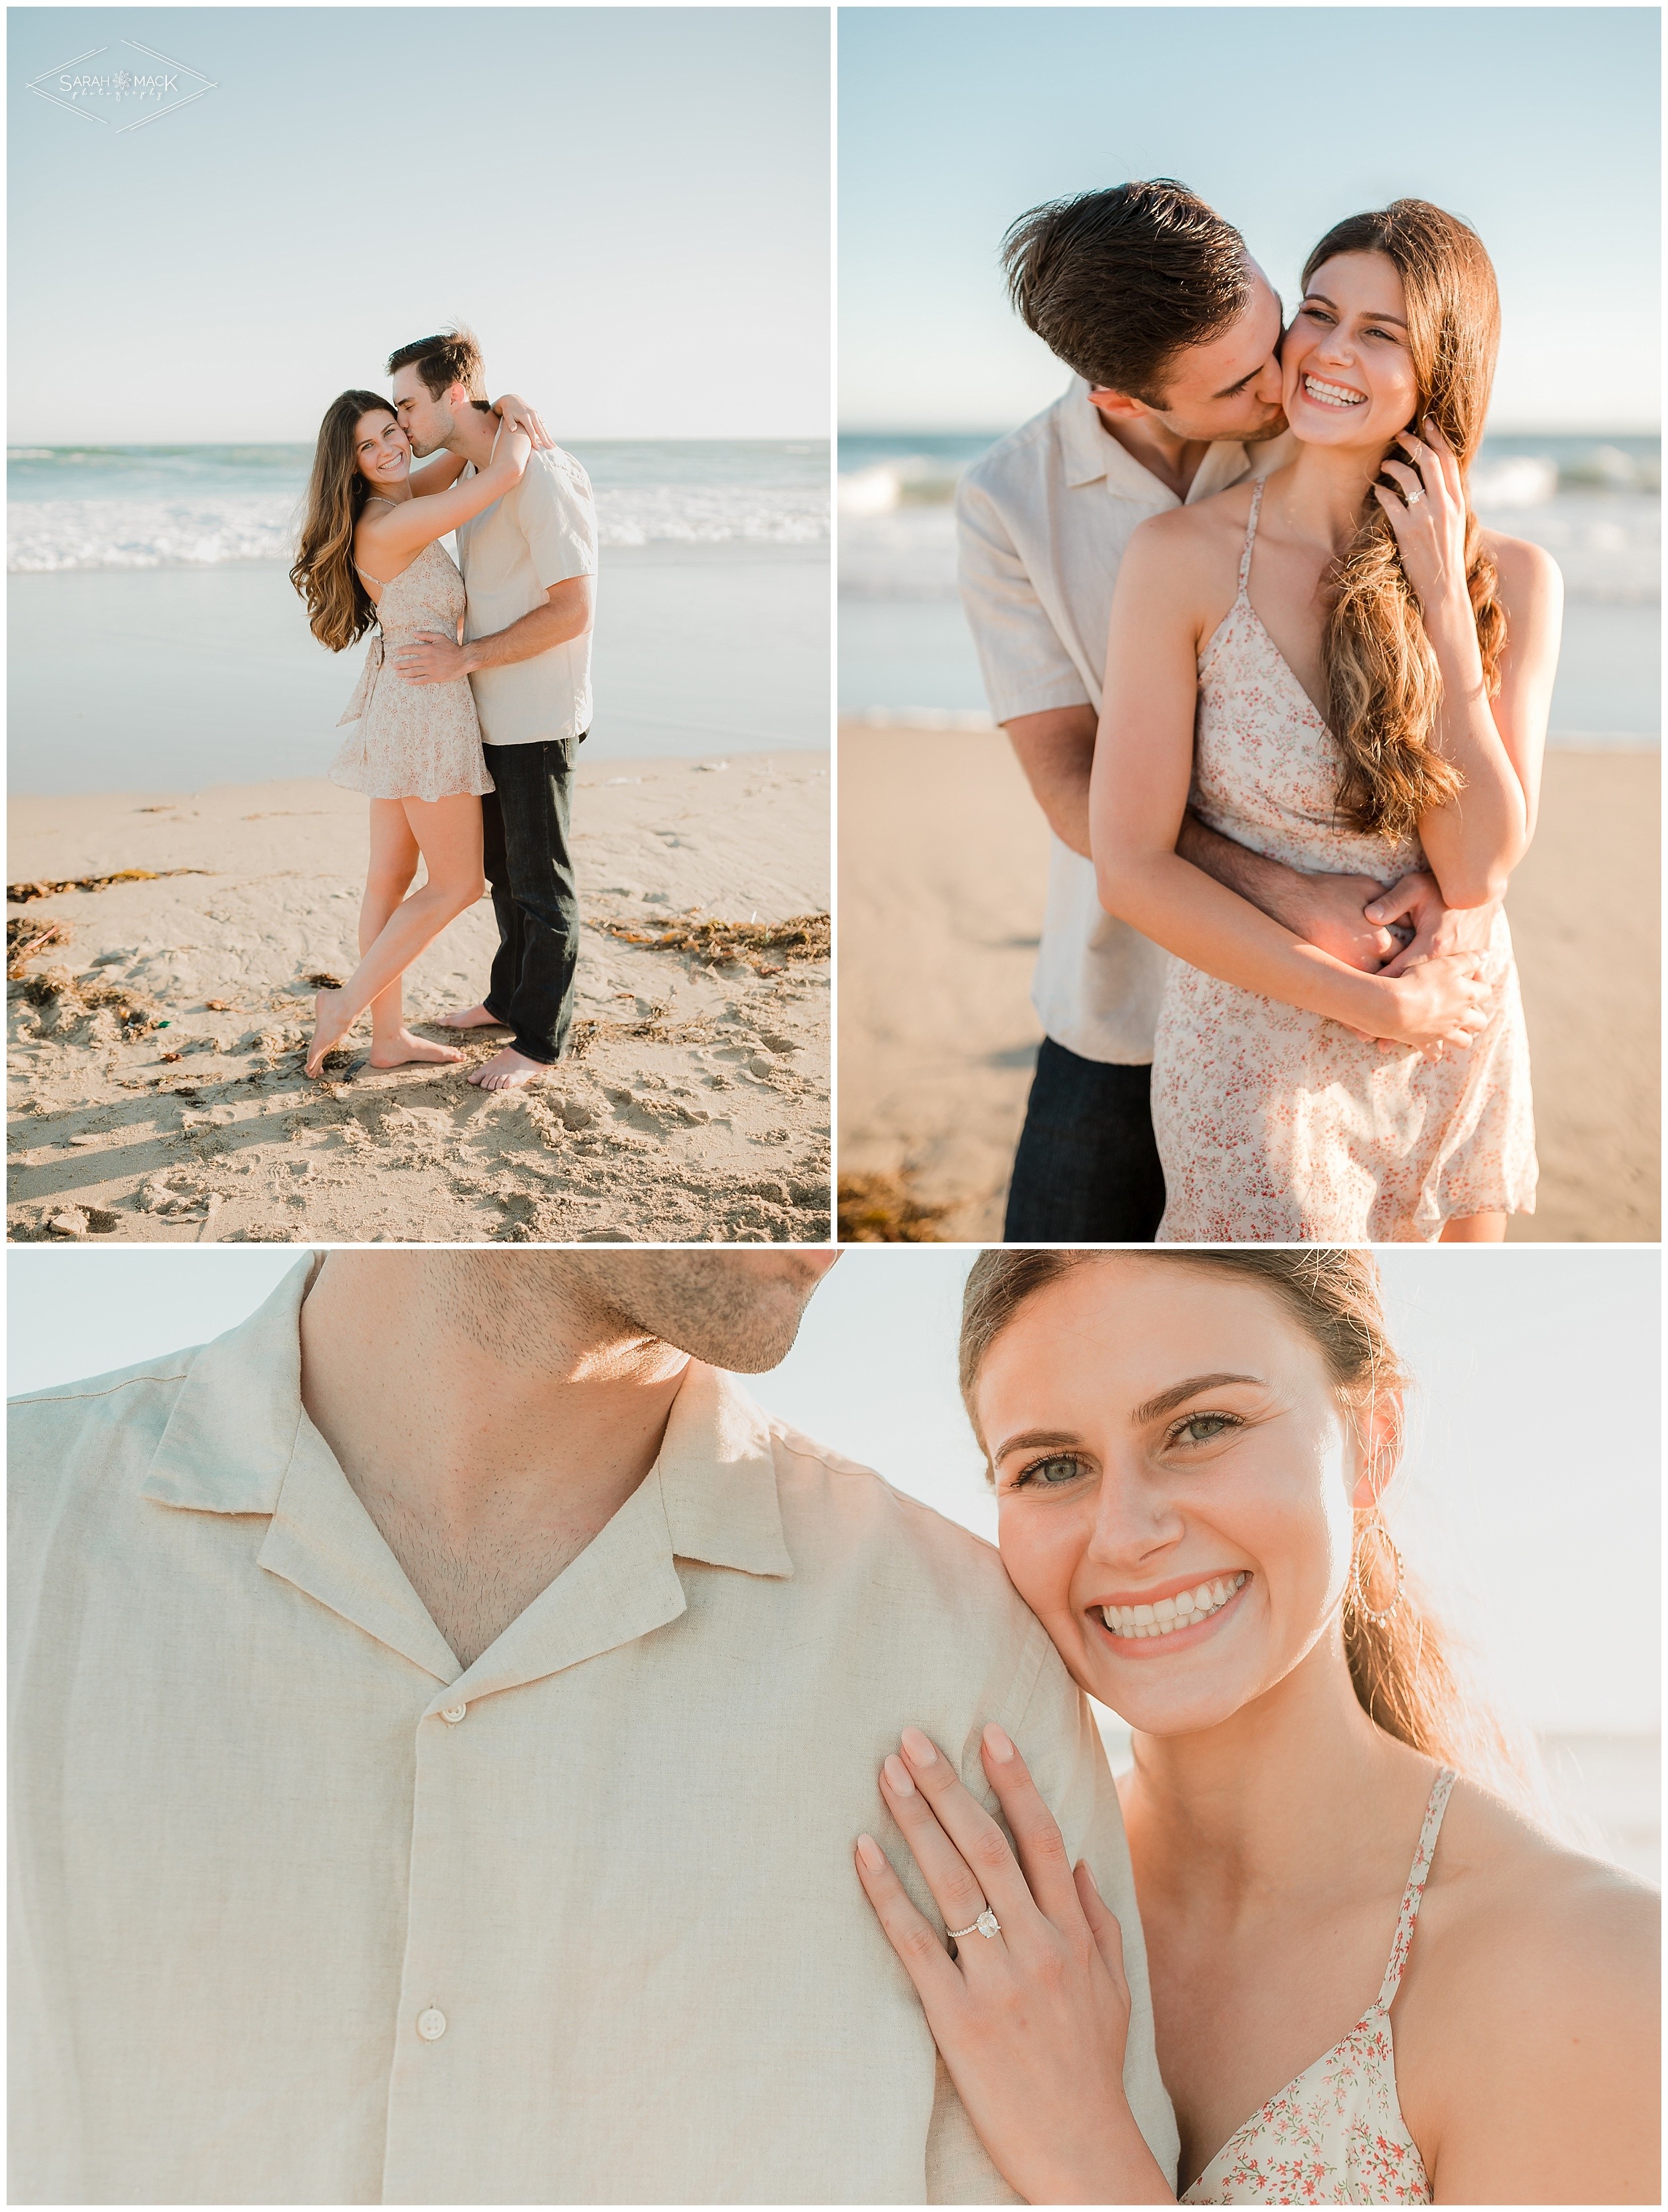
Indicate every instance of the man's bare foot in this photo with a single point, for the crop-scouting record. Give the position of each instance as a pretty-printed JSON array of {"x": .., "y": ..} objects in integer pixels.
[
  {"x": 329, "y": 1026},
  {"x": 509, "y": 1070},
  {"x": 398, "y": 1051},
  {"x": 468, "y": 1017}
]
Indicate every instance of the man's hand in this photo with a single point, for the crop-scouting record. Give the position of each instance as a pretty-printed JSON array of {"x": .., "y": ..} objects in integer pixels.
[
  {"x": 1339, "y": 915},
  {"x": 431, "y": 658},
  {"x": 1325, "y": 911},
  {"x": 1417, "y": 902}
]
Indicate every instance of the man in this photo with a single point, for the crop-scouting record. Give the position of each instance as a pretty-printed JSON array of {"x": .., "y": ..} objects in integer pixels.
[
  {"x": 1173, "y": 333},
  {"x": 444, "y": 1710},
  {"x": 529, "y": 563}
]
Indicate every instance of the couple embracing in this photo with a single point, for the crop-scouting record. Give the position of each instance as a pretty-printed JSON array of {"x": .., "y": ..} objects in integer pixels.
[
  {"x": 474, "y": 696},
  {"x": 465, "y": 1751},
  {"x": 1283, "y": 702}
]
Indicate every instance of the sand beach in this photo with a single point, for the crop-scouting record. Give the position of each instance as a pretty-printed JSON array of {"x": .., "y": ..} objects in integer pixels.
[
  {"x": 156, "y": 1041},
  {"x": 944, "y": 858}
]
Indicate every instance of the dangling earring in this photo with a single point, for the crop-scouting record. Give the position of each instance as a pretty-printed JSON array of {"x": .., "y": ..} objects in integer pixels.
[{"x": 1357, "y": 1587}]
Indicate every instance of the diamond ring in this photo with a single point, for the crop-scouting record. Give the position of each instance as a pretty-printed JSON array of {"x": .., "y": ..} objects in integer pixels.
[
  {"x": 1413, "y": 498},
  {"x": 987, "y": 1925}
]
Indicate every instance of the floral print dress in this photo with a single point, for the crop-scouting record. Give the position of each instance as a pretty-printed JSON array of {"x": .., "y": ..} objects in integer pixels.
[
  {"x": 413, "y": 740},
  {"x": 1276, "y": 1125},
  {"x": 1336, "y": 2134}
]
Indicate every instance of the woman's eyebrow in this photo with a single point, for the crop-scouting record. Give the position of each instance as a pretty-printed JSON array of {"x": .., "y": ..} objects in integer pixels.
[
  {"x": 1370, "y": 316},
  {"x": 1165, "y": 1401},
  {"x": 1031, "y": 1439}
]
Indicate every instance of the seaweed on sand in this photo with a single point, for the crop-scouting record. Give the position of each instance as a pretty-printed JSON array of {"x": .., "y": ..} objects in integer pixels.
[
  {"x": 21, "y": 894},
  {"x": 25, "y": 939},
  {"x": 801, "y": 937},
  {"x": 877, "y": 1209}
]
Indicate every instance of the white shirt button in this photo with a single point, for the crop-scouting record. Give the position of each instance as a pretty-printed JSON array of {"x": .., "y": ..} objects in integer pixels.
[
  {"x": 431, "y": 2024},
  {"x": 454, "y": 1713}
]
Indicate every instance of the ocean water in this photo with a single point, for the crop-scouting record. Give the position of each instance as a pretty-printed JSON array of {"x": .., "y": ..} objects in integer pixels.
[
  {"x": 1595, "y": 503},
  {"x": 155, "y": 639}
]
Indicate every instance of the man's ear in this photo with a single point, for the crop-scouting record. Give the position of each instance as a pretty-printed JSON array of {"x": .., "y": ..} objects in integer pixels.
[
  {"x": 1377, "y": 1421},
  {"x": 1118, "y": 405}
]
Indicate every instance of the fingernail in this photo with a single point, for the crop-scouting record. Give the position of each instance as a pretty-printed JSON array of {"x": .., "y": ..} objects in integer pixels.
[
  {"x": 919, "y": 1747},
  {"x": 897, "y": 1776},
  {"x": 997, "y": 1743},
  {"x": 1090, "y": 1871},
  {"x": 871, "y": 1853}
]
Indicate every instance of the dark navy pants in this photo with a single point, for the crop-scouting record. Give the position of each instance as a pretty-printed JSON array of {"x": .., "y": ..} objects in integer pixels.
[
  {"x": 524, "y": 850},
  {"x": 1087, "y": 1168}
]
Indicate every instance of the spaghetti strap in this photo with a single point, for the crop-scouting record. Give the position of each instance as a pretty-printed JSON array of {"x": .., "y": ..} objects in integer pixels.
[
  {"x": 1250, "y": 533},
  {"x": 1413, "y": 1896}
]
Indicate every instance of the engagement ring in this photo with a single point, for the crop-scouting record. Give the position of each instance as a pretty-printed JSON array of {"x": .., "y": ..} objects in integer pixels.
[{"x": 987, "y": 1925}]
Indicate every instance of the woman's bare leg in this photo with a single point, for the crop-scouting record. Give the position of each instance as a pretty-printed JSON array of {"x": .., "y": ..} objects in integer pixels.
[
  {"x": 447, "y": 834},
  {"x": 393, "y": 866},
  {"x": 1474, "y": 1229}
]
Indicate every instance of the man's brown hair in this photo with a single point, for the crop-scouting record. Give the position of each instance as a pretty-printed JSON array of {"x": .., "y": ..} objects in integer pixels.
[
  {"x": 1119, "y": 283},
  {"x": 451, "y": 357}
]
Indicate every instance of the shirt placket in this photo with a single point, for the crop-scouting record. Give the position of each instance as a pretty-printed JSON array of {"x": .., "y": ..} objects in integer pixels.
[{"x": 433, "y": 2151}]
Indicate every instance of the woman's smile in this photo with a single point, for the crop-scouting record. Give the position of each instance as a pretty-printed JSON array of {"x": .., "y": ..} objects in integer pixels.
[
  {"x": 1173, "y": 1612},
  {"x": 1326, "y": 393}
]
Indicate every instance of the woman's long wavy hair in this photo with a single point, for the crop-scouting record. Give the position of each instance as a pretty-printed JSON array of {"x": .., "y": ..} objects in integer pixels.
[
  {"x": 1382, "y": 685},
  {"x": 339, "y": 607},
  {"x": 1402, "y": 1669}
]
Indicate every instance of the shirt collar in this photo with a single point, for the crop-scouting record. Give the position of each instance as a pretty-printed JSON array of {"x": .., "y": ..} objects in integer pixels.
[
  {"x": 235, "y": 1424},
  {"x": 1091, "y": 454},
  {"x": 231, "y": 1435}
]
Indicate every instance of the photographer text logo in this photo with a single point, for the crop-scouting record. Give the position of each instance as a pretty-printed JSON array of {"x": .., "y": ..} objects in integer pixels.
[{"x": 102, "y": 89}]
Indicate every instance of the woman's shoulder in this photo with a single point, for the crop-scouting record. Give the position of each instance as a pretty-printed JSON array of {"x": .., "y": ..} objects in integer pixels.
[
  {"x": 1194, "y": 541},
  {"x": 1528, "y": 574},
  {"x": 1527, "y": 2029},
  {"x": 1520, "y": 1913}
]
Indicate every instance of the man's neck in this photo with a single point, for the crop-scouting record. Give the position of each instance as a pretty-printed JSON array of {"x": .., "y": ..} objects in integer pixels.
[
  {"x": 473, "y": 436},
  {"x": 1174, "y": 461},
  {"x": 489, "y": 1434}
]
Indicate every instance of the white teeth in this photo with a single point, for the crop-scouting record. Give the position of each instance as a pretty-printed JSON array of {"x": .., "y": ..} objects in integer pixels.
[
  {"x": 1331, "y": 395},
  {"x": 1137, "y": 1622}
]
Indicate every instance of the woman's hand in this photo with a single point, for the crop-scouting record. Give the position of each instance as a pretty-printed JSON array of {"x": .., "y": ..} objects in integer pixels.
[
  {"x": 516, "y": 415},
  {"x": 1032, "y": 2021},
  {"x": 1428, "y": 519},
  {"x": 1417, "y": 903},
  {"x": 1441, "y": 1003}
]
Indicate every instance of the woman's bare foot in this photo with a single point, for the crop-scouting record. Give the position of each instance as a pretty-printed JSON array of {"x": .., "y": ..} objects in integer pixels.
[
  {"x": 400, "y": 1049},
  {"x": 509, "y": 1070},
  {"x": 469, "y": 1017},
  {"x": 329, "y": 1026}
]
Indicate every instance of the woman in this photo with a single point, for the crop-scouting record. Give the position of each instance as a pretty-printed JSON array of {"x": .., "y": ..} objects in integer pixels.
[
  {"x": 1352, "y": 677},
  {"x": 1188, "y": 1452},
  {"x": 371, "y": 559}
]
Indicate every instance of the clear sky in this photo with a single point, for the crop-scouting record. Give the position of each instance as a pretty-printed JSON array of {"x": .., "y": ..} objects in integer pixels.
[
  {"x": 630, "y": 205},
  {"x": 1540, "y": 125},
  {"x": 1529, "y": 1507}
]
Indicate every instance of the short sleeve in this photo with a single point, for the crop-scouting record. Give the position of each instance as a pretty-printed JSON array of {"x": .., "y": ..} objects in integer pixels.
[
  {"x": 1026, "y": 668},
  {"x": 1055, "y": 1731},
  {"x": 558, "y": 518}
]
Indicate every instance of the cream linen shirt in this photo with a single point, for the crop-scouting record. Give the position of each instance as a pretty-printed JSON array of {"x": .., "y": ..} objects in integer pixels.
[
  {"x": 1042, "y": 519},
  {"x": 303, "y": 1912},
  {"x": 540, "y": 533}
]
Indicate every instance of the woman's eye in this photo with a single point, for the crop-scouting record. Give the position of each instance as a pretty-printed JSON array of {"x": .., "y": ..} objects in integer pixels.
[
  {"x": 1205, "y": 1428},
  {"x": 1050, "y": 1473}
]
